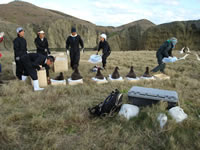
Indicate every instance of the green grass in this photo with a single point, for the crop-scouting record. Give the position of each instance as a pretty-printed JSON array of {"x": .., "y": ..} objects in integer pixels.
[{"x": 57, "y": 118}]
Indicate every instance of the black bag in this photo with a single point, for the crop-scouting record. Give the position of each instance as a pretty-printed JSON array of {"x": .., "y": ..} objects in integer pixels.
[{"x": 111, "y": 104}]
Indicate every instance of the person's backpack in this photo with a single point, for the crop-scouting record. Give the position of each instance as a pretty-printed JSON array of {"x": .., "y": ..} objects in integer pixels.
[{"x": 110, "y": 105}]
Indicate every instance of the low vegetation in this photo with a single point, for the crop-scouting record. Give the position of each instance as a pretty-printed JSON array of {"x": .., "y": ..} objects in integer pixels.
[{"x": 57, "y": 118}]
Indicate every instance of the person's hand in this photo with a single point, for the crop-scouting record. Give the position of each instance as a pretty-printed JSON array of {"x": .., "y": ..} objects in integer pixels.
[
  {"x": 40, "y": 66},
  {"x": 0, "y": 55},
  {"x": 48, "y": 81},
  {"x": 67, "y": 51},
  {"x": 45, "y": 50},
  {"x": 97, "y": 53},
  {"x": 82, "y": 50}
]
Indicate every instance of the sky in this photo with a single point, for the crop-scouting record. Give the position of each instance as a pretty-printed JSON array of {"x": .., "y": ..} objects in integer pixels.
[{"x": 119, "y": 12}]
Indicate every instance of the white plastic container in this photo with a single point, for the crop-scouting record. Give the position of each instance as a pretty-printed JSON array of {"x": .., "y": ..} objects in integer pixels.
[
  {"x": 129, "y": 111},
  {"x": 178, "y": 114}
]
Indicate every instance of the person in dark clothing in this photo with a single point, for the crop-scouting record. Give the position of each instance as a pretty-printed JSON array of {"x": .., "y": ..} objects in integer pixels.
[
  {"x": 33, "y": 61},
  {"x": 164, "y": 51},
  {"x": 73, "y": 41},
  {"x": 103, "y": 44},
  {"x": 42, "y": 46},
  {"x": 20, "y": 49}
]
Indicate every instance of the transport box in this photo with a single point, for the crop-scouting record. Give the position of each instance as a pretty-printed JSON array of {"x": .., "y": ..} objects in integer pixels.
[
  {"x": 42, "y": 78},
  {"x": 61, "y": 64},
  {"x": 75, "y": 82},
  {"x": 162, "y": 76},
  {"x": 142, "y": 96},
  {"x": 58, "y": 82},
  {"x": 14, "y": 68}
]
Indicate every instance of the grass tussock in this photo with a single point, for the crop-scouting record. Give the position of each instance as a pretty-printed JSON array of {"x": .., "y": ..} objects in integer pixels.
[{"x": 57, "y": 118}]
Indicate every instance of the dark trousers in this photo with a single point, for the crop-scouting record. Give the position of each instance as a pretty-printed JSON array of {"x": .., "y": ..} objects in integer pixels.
[
  {"x": 104, "y": 58},
  {"x": 161, "y": 66},
  {"x": 75, "y": 58},
  {"x": 20, "y": 70},
  {"x": 27, "y": 64}
]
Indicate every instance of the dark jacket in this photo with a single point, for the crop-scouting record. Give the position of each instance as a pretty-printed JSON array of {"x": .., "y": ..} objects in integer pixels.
[
  {"x": 105, "y": 46},
  {"x": 35, "y": 59},
  {"x": 20, "y": 46},
  {"x": 73, "y": 43},
  {"x": 42, "y": 45},
  {"x": 166, "y": 49}
]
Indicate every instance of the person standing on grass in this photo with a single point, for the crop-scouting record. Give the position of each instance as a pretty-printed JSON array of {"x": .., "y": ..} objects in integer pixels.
[
  {"x": 73, "y": 42},
  {"x": 165, "y": 50},
  {"x": 20, "y": 49},
  {"x": 42, "y": 46},
  {"x": 103, "y": 44},
  {"x": 33, "y": 61}
]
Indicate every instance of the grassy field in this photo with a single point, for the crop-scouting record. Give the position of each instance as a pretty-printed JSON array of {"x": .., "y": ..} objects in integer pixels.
[{"x": 57, "y": 118}]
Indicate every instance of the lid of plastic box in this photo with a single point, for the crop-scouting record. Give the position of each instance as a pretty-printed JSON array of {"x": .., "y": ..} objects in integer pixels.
[{"x": 154, "y": 94}]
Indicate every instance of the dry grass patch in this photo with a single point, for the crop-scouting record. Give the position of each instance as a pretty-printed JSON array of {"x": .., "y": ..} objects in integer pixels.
[{"x": 57, "y": 118}]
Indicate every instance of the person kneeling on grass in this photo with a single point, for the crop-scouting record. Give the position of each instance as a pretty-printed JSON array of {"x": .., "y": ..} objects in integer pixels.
[
  {"x": 33, "y": 61},
  {"x": 103, "y": 44},
  {"x": 165, "y": 50}
]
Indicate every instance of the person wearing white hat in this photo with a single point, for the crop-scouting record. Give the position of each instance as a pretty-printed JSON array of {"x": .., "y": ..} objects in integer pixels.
[
  {"x": 42, "y": 46},
  {"x": 165, "y": 50},
  {"x": 20, "y": 49},
  {"x": 103, "y": 44}
]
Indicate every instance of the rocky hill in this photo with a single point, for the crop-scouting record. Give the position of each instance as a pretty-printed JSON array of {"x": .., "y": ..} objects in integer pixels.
[{"x": 137, "y": 35}]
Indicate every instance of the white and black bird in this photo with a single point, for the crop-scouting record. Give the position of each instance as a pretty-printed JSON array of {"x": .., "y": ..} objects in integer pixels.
[
  {"x": 182, "y": 50},
  {"x": 197, "y": 57},
  {"x": 184, "y": 57},
  {"x": 188, "y": 50}
]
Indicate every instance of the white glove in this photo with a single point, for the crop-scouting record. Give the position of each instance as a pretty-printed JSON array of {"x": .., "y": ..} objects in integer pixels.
[
  {"x": 45, "y": 50},
  {"x": 67, "y": 52}
]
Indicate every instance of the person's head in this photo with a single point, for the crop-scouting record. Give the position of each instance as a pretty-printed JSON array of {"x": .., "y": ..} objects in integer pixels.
[
  {"x": 174, "y": 41},
  {"x": 73, "y": 31},
  {"x": 103, "y": 37},
  {"x": 41, "y": 34},
  {"x": 50, "y": 60},
  {"x": 20, "y": 32}
]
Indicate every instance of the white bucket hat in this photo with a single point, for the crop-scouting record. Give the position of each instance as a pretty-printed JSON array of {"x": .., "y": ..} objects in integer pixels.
[
  {"x": 103, "y": 36},
  {"x": 41, "y": 32}
]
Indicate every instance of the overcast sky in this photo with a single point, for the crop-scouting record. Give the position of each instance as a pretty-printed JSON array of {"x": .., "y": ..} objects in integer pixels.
[{"x": 119, "y": 12}]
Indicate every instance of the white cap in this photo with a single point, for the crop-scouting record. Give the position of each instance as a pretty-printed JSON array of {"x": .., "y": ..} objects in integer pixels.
[
  {"x": 1, "y": 34},
  {"x": 19, "y": 29},
  {"x": 103, "y": 36},
  {"x": 41, "y": 32}
]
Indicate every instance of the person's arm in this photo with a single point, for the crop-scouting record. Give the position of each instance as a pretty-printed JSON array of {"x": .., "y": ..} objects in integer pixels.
[
  {"x": 38, "y": 61},
  {"x": 47, "y": 46},
  {"x": 99, "y": 47},
  {"x": 16, "y": 49},
  {"x": 81, "y": 42},
  {"x": 67, "y": 43}
]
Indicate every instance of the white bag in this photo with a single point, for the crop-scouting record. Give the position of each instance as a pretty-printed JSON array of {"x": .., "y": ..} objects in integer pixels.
[
  {"x": 162, "y": 119},
  {"x": 169, "y": 59},
  {"x": 95, "y": 59},
  {"x": 178, "y": 114},
  {"x": 129, "y": 111}
]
